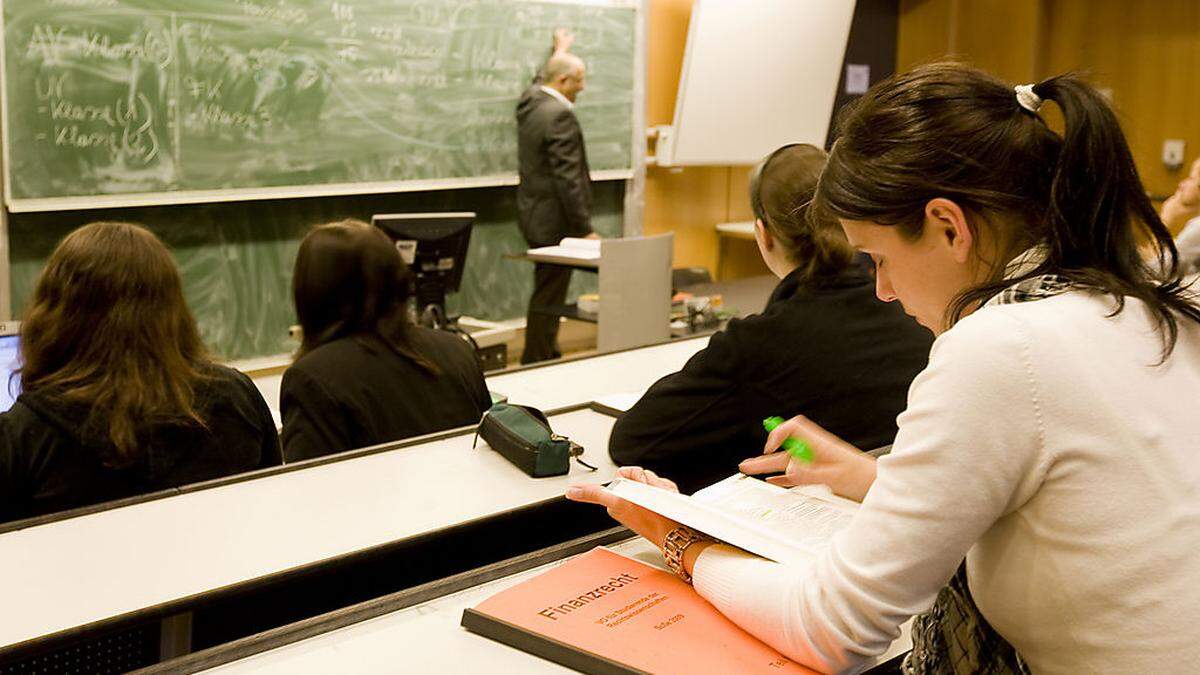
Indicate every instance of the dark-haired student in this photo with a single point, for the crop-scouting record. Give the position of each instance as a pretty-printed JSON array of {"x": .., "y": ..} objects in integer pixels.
[
  {"x": 118, "y": 397},
  {"x": 364, "y": 374},
  {"x": 825, "y": 346},
  {"x": 1053, "y": 439}
]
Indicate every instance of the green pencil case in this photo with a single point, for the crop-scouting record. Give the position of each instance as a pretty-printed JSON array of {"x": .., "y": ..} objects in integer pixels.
[{"x": 522, "y": 435}]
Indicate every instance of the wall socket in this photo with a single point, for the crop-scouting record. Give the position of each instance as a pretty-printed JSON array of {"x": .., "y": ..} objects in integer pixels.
[{"x": 1173, "y": 153}]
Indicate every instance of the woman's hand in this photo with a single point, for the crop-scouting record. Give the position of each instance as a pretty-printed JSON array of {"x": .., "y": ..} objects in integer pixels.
[
  {"x": 847, "y": 470},
  {"x": 643, "y": 521}
]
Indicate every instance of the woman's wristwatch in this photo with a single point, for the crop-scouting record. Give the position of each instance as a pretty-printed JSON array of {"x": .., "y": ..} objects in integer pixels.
[{"x": 675, "y": 544}]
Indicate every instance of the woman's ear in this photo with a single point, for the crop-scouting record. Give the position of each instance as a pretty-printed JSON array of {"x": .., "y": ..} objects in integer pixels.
[
  {"x": 766, "y": 242},
  {"x": 947, "y": 223}
]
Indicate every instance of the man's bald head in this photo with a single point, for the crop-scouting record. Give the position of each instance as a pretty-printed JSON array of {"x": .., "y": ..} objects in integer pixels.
[
  {"x": 565, "y": 72},
  {"x": 563, "y": 65}
]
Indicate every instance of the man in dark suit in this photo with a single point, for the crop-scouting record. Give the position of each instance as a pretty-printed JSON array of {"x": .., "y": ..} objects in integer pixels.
[{"x": 554, "y": 198}]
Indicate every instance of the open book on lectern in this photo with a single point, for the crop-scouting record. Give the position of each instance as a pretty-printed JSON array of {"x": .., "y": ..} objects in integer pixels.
[
  {"x": 785, "y": 525},
  {"x": 570, "y": 250}
]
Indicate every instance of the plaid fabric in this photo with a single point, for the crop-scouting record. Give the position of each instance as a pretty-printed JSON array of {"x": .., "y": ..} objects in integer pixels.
[
  {"x": 1032, "y": 289},
  {"x": 953, "y": 638}
]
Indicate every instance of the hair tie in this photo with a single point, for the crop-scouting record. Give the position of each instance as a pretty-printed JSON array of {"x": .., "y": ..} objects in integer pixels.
[{"x": 1028, "y": 100}]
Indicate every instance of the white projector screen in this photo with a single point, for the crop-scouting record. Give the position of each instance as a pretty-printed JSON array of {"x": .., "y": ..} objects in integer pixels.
[{"x": 757, "y": 74}]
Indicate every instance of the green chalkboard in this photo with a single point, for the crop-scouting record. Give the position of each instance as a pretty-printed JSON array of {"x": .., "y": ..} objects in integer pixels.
[
  {"x": 180, "y": 100},
  {"x": 237, "y": 257}
]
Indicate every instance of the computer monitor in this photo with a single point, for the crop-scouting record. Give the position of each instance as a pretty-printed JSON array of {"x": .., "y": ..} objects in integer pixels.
[
  {"x": 435, "y": 246},
  {"x": 10, "y": 387}
]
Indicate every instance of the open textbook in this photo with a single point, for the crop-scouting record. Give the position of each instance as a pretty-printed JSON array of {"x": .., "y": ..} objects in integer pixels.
[
  {"x": 784, "y": 525},
  {"x": 569, "y": 250}
]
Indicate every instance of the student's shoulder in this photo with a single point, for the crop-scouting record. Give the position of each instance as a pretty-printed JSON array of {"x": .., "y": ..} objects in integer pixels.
[
  {"x": 743, "y": 345},
  {"x": 18, "y": 421},
  {"x": 24, "y": 435},
  {"x": 340, "y": 355},
  {"x": 986, "y": 348},
  {"x": 220, "y": 375},
  {"x": 766, "y": 330},
  {"x": 440, "y": 342},
  {"x": 752, "y": 328},
  {"x": 223, "y": 383},
  {"x": 1033, "y": 324}
]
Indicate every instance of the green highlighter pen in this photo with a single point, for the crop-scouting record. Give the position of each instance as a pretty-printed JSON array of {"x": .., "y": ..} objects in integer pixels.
[{"x": 794, "y": 446}]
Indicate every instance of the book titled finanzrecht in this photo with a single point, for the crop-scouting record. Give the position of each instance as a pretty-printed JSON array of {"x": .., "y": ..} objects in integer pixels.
[{"x": 602, "y": 612}]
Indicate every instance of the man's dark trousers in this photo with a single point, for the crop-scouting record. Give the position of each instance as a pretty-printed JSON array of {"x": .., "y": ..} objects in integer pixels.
[{"x": 550, "y": 283}]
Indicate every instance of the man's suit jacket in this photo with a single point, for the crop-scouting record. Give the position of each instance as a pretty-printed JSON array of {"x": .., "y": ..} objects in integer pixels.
[{"x": 554, "y": 199}]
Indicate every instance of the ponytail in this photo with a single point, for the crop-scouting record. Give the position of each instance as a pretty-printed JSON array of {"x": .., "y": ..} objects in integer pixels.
[
  {"x": 781, "y": 189},
  {"x": 1099, "y": 214},
  {"x": 949, "y": 130}
]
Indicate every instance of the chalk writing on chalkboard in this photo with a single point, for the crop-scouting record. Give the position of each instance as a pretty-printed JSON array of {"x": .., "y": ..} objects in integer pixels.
[{"x": 108, "y": 97}]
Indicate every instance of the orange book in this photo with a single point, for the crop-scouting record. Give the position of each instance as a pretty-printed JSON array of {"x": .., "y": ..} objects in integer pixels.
[{"x": 602, "y": 612}]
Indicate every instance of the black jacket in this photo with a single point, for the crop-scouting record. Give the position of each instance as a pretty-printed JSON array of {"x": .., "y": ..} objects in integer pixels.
[
  {"x": 51, "y": 461},
  {"x": 835, "y": 354},
  {"x": 554, "y": 198},
  {"x": 358, "y": 391}
]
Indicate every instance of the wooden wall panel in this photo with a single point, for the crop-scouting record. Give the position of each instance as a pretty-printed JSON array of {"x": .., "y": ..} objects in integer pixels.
[
  {"x": 667, "y": 36},
  {"x": 1000, "y": 36},
  {"x": 927, "y": 31},
  {"x": 1148, "y": 54}
]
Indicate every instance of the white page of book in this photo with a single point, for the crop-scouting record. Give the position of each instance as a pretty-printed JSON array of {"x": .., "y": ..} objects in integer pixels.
[
  {"x": 571, "y": 247},
  {"x": 808, "y": 516},
  {"x": 773, "y": 522},
  {"x": 581, "y": 244}
]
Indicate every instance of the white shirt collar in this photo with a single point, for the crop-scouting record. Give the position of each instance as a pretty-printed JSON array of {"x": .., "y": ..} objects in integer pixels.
[{"x": 558, "y": 95}]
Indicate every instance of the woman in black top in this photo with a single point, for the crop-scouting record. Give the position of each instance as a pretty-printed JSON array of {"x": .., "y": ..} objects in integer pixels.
[
  {"x": 364, "y": 374},
  {"x": 816, "y": 349},
  {"x": 118, "y": 395}
]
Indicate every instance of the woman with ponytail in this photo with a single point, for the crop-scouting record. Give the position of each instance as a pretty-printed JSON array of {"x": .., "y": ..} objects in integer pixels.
[
  {"x": 1050, "y": 446},
  {"x": 824, "y": 347}
]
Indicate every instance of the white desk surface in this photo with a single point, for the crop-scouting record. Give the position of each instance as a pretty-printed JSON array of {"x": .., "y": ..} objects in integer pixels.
[
  {"x": 424, "y": 638},
  {"x": 570, "y": 382},
  {"x": 585, "y": 380},
  {"x": 69, "y": 573},
  {"x": 427, "y": 638}
]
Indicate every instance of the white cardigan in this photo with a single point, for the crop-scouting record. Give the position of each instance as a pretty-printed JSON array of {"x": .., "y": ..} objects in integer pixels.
[{"x": 1044, "y": 444}]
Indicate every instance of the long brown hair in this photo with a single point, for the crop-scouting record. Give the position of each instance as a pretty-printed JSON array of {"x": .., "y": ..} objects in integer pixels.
[
  {"x": 781, "y": 188},
  {"x": 949, "y": 130},
  {"x": 350, "y": 281},
  {"x": 108, "y": 328}
]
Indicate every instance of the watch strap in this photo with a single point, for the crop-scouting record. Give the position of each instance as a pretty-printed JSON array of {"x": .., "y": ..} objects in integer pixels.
[{"x": 675, "y": 544}]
